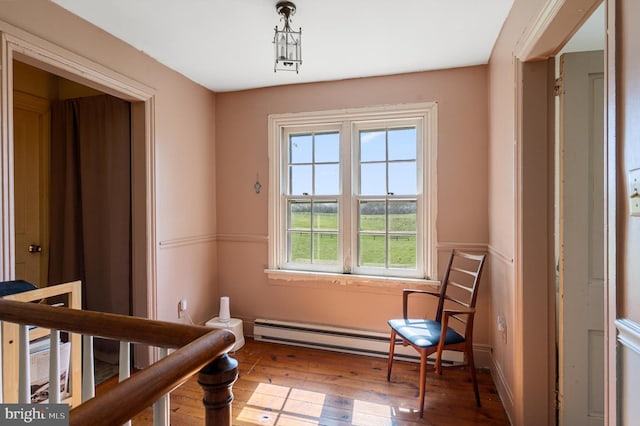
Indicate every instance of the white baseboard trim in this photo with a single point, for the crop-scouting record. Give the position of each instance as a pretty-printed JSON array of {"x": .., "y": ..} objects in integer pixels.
[
  {"x": 504, "y": 391},
  {"x": 482, "y": 355}
]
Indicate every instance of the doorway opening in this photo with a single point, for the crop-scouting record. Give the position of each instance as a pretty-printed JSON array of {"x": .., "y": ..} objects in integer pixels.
[
  {"x": 80, "y": 77},
  {"x": 72, "y": 171}
]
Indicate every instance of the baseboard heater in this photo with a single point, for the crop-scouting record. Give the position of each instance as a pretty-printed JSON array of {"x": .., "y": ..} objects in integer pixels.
[{"x": 359, "y": 342}]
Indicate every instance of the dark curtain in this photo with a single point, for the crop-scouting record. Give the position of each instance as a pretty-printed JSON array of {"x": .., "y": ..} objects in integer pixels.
[{"x": 91, "y": 200}]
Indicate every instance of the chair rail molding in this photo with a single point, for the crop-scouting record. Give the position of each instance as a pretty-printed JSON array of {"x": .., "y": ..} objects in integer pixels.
[
  {"x": 187, "y": 241},
  {"x": 462, "y": 245},
  {"x": 242, "y": 238},
  {"x": 629, "y": 334},
  {"x": 498, "y": 254}
]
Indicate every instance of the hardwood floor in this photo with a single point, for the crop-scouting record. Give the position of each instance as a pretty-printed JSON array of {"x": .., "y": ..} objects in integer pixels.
[{"x": 286, "y": 385}]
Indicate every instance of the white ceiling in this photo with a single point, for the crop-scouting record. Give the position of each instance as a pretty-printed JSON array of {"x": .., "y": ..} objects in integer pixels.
[
  {"x": 226, "y": 49},
  {"x": 227, "y": 45}
]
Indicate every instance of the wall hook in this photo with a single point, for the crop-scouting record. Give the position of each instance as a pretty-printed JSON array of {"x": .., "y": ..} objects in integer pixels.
[{"x": 257, "y": 186}]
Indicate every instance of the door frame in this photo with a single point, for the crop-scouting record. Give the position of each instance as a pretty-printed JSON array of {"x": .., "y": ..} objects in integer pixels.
[
  {"x": 556, "y": 23},
  {"x": 24, "y": 47}
]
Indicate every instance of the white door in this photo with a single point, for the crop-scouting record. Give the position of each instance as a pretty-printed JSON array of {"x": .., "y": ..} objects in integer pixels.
[
  {"x": 30, "y": 153},
  {"x": 581, "y": 287}
]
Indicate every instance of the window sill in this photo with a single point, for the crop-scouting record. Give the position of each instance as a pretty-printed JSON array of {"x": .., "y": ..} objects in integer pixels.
[{"x": 312, "y": 279}]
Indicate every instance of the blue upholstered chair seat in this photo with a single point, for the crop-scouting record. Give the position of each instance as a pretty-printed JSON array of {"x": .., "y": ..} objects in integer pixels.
[
  {"x": 15, "y": 286},
  {"x": 424, "y": 333}
]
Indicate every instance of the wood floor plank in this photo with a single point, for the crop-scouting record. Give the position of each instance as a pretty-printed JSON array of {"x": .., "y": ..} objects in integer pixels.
[{"x": 290, "y": 386}]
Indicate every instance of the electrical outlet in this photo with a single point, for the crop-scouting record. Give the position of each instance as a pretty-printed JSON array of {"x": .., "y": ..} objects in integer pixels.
[
  {"x": 182, "y": 306},
  {"x": 501, "y": 325}
]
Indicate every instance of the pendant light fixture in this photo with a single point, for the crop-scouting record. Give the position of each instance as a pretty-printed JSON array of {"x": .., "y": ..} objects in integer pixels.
[{"x": 287, "y": 43}]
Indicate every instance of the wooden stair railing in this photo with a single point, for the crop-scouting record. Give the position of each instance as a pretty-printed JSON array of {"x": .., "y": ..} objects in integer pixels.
[{"x": 199, "y": 348}]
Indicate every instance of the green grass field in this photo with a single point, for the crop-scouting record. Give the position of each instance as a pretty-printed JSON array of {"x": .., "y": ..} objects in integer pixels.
[{"x": 402, "y": 248}]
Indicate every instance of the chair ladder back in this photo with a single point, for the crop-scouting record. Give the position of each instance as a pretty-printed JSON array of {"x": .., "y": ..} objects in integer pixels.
[
  {"x": 460, "y": 286},
  {"x": 480, "y": 258},
  {"x": 459, "y": 301},
  {"x": 464, "y": 271},
  {"x": 460, "y": 281},
  {"x": 443, "y": 288}
]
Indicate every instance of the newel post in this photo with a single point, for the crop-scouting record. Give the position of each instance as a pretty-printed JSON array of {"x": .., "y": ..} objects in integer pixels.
[{"x": 217, "y": 380}]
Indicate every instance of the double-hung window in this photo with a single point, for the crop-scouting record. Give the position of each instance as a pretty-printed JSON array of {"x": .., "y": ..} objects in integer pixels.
[{"x": 351, "y": 192}]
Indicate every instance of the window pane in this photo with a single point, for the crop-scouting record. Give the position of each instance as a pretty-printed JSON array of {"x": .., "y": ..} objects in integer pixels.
[
  {"x": 299, "y": 215},
  {"x": 327, "y": 147},
  {"x": 373, "y": 145},
  {"x": 325, "y": 248},
  {"x": 402, "y": 251},
  {"x": 402, "y": 178},
  {"x": 327, "y": 180},
  {"x": 372, "y": 250},
  {"x": 373, "y": 179},
  {"x": 300, "y": 149},
  {"x": 373, "y": 216},
  {"x": 402, "y": 216},
  {"x": 300, "y": 247},
  {"x": 325, "y": 216},
  {"x": 300, "y": 180},
  {"x": 402, "y": 144}
]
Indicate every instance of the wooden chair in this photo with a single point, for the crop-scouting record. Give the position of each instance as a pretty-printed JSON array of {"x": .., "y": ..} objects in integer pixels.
[{"x": 452, "y": 327}]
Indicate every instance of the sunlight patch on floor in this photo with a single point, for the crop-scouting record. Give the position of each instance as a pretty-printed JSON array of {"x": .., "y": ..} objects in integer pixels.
[
  {"x": 284, "y": 406},
  {"x": 305, "y": 403},
  {"x": 269, "y": 396},
  {"x": 370, "y": 414}
]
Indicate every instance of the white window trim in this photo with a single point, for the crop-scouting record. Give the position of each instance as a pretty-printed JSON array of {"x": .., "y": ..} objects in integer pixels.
[{"x": 277, "y": 215}]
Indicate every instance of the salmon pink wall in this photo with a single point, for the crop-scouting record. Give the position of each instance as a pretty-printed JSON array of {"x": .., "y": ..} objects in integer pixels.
[
  {"x": 508, "y": 369},
  {"x": 627, "y": 295},
  {"x": 242, "y": 156},
  {"x": 184, "y": 129}
]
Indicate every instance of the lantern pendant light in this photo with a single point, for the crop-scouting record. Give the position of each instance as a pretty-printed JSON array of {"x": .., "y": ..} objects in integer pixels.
[{"x": 287, "y": 43}]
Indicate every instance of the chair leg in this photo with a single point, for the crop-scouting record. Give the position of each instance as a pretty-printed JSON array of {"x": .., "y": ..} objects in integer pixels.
[
  {"x": 423, "y": 380},
  {"x": 472, "y": 368},
  {"x": 438, "y": 365},
  {"x": 392, "y": 347},
  {"x": 440, "y": 347}
]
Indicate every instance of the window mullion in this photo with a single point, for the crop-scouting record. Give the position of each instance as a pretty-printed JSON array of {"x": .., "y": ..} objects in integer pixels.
[
  {"x": 313, "y": 193},
  {"x": 346, "y": 198},
  {"x": 386, "y": 207}
]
